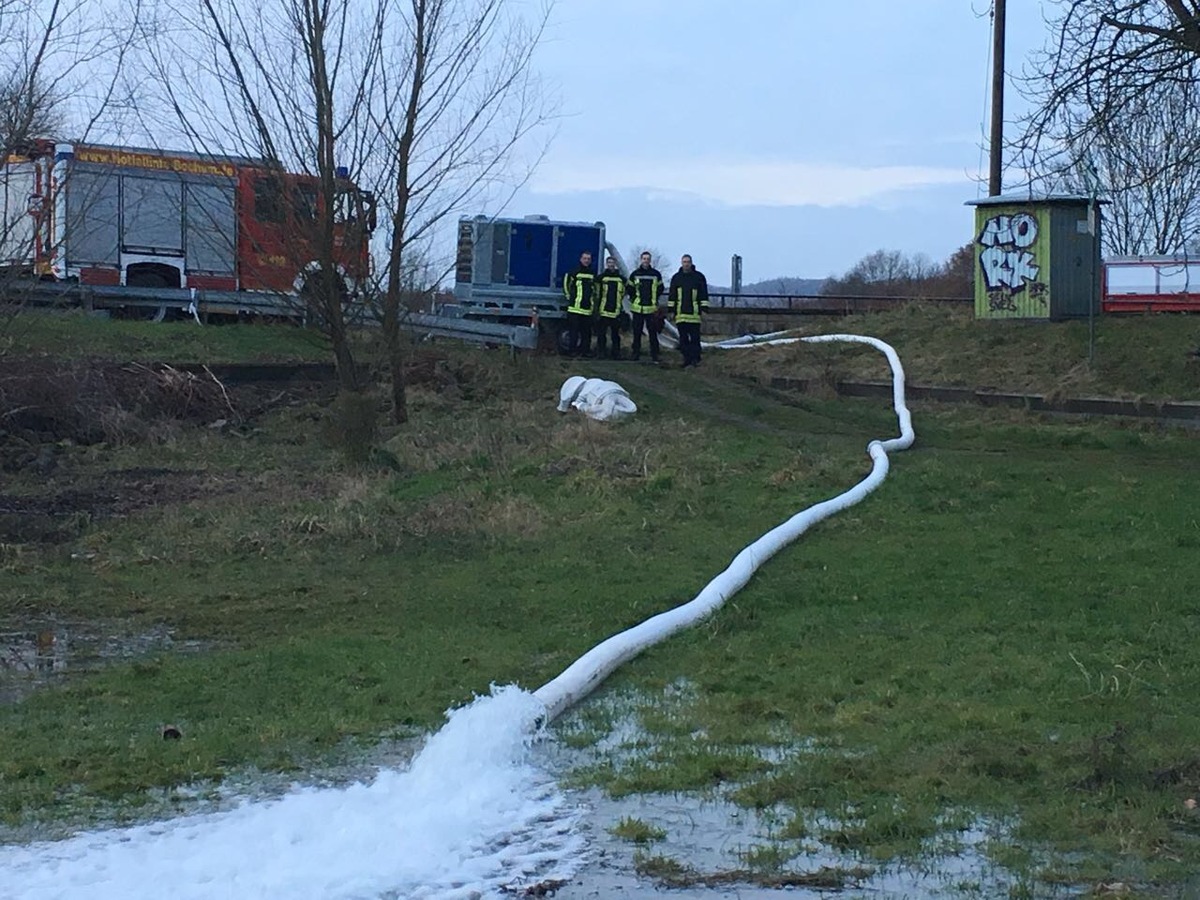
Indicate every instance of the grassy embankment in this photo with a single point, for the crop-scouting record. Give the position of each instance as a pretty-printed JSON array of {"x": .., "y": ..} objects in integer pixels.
[{"x": 1006, "y": 629}]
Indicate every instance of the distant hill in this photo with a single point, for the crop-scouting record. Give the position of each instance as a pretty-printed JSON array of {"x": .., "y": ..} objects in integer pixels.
[{"x": 787, "y": 286}]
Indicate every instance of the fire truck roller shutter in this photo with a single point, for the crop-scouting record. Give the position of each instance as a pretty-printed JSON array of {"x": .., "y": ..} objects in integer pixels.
[
  {"x": 93, "y": 205},
  {"x": 211, "y": 225},
  {"x": 152, "y": 215}
]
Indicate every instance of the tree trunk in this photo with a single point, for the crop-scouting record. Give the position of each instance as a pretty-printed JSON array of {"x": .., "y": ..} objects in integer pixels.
[{"x": 394, "y": 347}]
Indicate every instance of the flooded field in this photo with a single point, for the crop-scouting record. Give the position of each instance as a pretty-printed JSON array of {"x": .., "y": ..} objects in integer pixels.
[
  {"x": 713, "y": 840},
  {"x": 702, "y": 846},
  {"x": 35, "y": 652}
]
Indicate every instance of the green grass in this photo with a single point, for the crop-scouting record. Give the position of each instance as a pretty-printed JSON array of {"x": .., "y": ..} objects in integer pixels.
[
  {"x": 1004, "y": 632},
  {"x": 636, "y": 831},
  {"x": 1147, "y": 357},
  {"x": 76, "y": 335}
]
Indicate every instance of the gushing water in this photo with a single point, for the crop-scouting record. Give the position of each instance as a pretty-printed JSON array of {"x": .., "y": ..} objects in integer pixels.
[{"x": 468, "y": 817}]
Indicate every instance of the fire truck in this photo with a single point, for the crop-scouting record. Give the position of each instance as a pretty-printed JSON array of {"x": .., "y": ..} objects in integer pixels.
[{"x": 124, "y": 217}]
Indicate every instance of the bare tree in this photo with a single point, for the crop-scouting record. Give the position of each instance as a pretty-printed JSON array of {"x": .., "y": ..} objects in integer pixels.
[
  {"x": 28, "y": 104},
  {"x": 886, "y": 266},
  {"x": 457, "y": 99},
  {"x": 1142, "y": 161},
  {"x": 61, "y": 71},
  {"x": 1105, "y": 54},
  {"x": 1116, "y": 111},
  {"x": 286, "y": 81},
  {"x": 889, "y": 273},
  {"x": 662, "y": 261}
]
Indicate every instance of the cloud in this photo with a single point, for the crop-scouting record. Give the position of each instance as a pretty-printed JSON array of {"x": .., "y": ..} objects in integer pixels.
[{"x": 740, "y": 182}]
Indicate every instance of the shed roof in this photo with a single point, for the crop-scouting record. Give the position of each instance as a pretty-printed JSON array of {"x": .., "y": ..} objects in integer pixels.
[{"x": 1018, "y": 198}]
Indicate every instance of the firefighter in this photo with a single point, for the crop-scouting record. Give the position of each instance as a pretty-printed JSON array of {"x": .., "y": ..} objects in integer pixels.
[
  {"x": 580, "y": 288},
  {"x": 689, "y": 296},
  {"x": 645, "y": 287},
  {"x": 611, "y": 305}
]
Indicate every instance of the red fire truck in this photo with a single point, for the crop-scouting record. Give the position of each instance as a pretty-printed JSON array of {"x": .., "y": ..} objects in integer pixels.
[{"x": 105, "y": 215}]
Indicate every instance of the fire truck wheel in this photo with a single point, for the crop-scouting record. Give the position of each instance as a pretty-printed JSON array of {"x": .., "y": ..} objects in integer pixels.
[
  {"x": 553, "y": 336},
  {"x": 562, "y": 338},
  {"x": 309, "y": 294},
  {"x": 147, "y": 312}
]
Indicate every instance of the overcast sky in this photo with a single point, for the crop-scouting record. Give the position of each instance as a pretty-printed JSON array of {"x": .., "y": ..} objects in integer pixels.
[{"x": 802, "y": 134}]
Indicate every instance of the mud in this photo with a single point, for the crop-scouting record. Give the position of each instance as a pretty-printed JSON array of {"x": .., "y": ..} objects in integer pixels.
[
  {"x": 65, "y": 503},
  {"x": 50, "y": 409}
]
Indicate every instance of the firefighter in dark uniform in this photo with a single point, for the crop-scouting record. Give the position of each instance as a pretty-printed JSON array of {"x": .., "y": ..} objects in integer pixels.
[
  {"x": 689, "y": 296},
  {"x": 611, "y": 305},
  {"x": 645, "y": 287},
  {"x": 580, "y": 288}
]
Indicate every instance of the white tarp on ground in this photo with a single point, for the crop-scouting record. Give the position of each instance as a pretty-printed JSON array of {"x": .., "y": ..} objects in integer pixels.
[{"x": 596, "y": 398}]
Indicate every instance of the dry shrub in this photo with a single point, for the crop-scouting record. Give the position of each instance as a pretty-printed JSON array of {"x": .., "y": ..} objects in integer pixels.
[
  {"x": 514, "y": 516},
  {"x": 499, "y": 434},
  {"x": 621, "y": 451},
  {"x": 823, "y": 383},
  {"x": 363, "y": 508},
  {"x": 87, "y": 402},
  {"x": 804, "y": 467},
  {"x": 119, "y": 426},
  {"x": 355, "y": 490},
  {"x": 464, "y": 373},
  {"x": 1076, "y": 381}
]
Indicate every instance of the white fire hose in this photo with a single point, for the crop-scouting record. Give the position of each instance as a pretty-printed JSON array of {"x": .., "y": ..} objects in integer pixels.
[{"x": 587, "y": 672}]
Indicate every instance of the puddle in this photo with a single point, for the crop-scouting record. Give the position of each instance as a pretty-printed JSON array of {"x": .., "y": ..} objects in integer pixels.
[
  {"x": 33, "y": 654},
  {"x": 711, "y": 835}
]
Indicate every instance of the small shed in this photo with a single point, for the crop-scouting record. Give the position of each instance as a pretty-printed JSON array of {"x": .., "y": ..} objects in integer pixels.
[{"x": 1038, "y": 256}]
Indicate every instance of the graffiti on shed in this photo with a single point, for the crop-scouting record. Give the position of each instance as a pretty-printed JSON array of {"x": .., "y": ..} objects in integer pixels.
[{"x": 1012, "y": 247}]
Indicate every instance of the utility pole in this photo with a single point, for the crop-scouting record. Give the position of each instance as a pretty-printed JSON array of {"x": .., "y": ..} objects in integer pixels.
[{"x": 996, "y": 147}]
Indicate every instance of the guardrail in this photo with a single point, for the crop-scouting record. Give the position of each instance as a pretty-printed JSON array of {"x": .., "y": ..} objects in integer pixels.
[
  {"x": 193, "y": 301},
  {"x": 519, "y": 337},
  {"x": 200, "y": 303},
  {"x": 819, "y": 304}
]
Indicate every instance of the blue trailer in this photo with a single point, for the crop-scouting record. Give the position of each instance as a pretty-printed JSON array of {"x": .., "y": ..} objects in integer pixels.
[{"x": 512, "y": 270}]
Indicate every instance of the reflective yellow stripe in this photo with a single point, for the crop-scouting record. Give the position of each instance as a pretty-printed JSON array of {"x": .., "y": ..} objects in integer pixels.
[
  {"x": 575, "y": 296},
  {"x": 612, "y": 287},
  {"x": 692, "y": 314},
  {"x": 648, "y": 284}
]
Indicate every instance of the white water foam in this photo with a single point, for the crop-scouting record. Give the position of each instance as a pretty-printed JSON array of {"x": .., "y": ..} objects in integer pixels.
[{"x": 470, "y": 816}]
